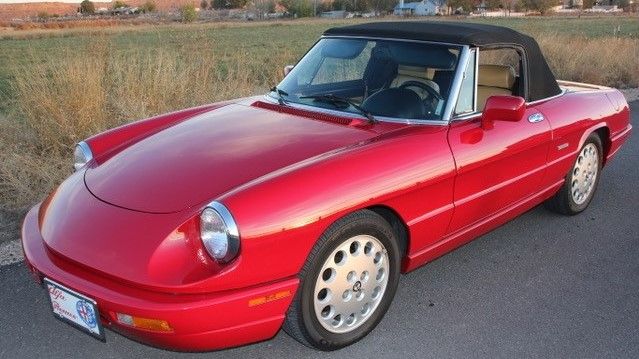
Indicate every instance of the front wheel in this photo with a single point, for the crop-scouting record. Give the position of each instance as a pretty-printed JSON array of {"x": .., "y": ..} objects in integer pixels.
[
  {"x": 581, "y": 182},
  {"x": 346, "y": 284}
]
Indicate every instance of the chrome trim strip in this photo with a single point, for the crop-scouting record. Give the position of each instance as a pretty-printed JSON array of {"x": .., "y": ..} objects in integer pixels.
[
  {"x": 347, "y": 115},
  {"x": 467, "y": 116},
  {"x": 476, "y": 91},
  {"x": 232, "y": 230},
  {"x": 453, "y": 95},
  {"x": 563, "y": 92}
]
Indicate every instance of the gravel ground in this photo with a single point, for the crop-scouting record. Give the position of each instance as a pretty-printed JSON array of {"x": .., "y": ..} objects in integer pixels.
[
  {"x": 10, "y": 250},
  {"x": 631, "y": 94}
]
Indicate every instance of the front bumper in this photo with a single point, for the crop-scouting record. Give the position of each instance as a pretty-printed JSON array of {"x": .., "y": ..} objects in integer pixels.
[{"x": 199, "y": 322}]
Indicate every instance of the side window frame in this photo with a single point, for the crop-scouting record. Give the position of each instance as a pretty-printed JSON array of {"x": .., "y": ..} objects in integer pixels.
[
  {"x": 523, "y": 73},
  {"x": 523, "y": 70},
  {"x": 474, "y": 56}
]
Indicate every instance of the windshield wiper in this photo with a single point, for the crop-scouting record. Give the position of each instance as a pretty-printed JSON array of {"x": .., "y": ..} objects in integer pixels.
[
  {"x": 336, "y": 100},
  {"x": 280, "y": 95}
]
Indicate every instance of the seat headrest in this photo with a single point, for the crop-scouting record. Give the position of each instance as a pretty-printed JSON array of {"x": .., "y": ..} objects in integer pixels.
[{"x": 501, "y": 76}]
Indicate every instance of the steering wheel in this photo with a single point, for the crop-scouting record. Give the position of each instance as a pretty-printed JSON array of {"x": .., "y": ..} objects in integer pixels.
[{"x": 431, "y": 91}]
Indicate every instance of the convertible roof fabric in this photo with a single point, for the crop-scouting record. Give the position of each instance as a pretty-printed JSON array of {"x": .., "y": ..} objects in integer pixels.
[{"x": 541, "y": 81}]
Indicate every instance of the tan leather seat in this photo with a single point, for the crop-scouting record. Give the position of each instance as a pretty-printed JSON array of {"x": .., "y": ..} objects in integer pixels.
[
  {"x": 494, "y": 80},
  {"x": 414, "y": 73}
]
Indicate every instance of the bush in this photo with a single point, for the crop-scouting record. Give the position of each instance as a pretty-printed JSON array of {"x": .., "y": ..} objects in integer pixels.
[
  {"x": 543, "y": 6},
  {"x": 188, "y": 13},
  {"x": 119, "y": 4},
  {"x": 148, "y": 6},
  {"x": 301, "y": 8},
  {"x": 43, "y": 16},
  {"x": 87, "y": 7}
]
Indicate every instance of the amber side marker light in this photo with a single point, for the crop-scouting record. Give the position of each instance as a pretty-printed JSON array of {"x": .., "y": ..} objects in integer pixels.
[
  {"x": 143, "y": 323},
  {"x": 268, "y": 298}
]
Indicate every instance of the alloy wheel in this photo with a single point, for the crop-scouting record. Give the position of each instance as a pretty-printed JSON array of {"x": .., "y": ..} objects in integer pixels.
[
  {"x": 584, "y": 173},
  {"x": 351, "y": 284}
]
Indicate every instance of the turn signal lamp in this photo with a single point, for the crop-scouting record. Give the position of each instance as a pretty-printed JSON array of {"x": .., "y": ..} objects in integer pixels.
[{"x": 143, "y": 323}]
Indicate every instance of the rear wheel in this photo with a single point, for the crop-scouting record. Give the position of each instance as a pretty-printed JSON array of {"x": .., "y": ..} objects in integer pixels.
[
  {"x": 347, "y": 283},
  {"x": 581, "y": 182}
]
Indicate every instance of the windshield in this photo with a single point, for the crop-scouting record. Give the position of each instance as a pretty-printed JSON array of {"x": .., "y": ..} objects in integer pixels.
[{"x": 383, "y": 78}]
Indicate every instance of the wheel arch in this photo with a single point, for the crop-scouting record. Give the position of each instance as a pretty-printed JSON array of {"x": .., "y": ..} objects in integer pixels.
[
  {"x": 603, "y": 132},
  {"x": 397, "y": 223},
  {"x": 604, "y": 136}
]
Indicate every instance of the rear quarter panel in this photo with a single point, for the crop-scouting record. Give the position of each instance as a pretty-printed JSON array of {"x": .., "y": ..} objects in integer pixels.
[{"x": 573, "y": 117}]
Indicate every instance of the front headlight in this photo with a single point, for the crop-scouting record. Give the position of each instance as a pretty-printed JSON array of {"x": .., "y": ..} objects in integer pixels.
[
  {"x": 219, "y": 232},
  {"x": 81, "y": 155}
]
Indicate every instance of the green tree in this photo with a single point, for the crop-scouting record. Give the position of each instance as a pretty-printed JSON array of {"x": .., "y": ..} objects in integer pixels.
[
  {"x": 543, "y": 6},
  {"x": 383, "y": 6},
  {"x": 465, "y": 5},
  {"x": 149, "y": 6},
  {"x": 87, "y": 7},
  {"x": 339, "y": 5},
  {"x": 265, "y": 6},
  {"x": 622, "y": 4},
  {"x": 301, "y": 8},
  {"x": 119, "y": 4},
  {"x": 218, "y": 4},
  {"x": 188, "y": 13},
  {"x": 493, "y": 4},
  {"x": 43, "y": 16}
]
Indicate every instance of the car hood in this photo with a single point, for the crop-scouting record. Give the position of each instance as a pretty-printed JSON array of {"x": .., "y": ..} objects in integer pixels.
[{"x": 204, "y": 157}]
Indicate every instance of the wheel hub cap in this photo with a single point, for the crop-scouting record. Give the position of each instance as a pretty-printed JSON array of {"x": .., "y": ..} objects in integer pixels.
[
  {"x": 584, "y": 173},
  {"x": 351, "y": 284}
]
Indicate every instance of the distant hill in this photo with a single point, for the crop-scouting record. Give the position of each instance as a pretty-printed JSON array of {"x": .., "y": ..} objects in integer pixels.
[{"x": 10, "y": 12}]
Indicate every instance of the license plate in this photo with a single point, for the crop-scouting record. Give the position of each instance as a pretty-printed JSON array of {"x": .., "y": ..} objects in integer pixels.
[{"x": 75, "y": 309}]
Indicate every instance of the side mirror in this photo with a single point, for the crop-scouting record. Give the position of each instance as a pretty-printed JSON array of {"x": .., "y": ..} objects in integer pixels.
[
  {"x": 502, "y": 108},
  {"x": 287, "y": 69}
]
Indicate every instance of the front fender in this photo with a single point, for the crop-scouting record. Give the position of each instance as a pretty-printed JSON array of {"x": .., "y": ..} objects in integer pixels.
[{"x": 280, "y": 218}]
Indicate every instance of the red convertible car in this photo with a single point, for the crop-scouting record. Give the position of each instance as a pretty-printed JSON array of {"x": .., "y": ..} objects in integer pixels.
[{"x": 386, "y": 146}]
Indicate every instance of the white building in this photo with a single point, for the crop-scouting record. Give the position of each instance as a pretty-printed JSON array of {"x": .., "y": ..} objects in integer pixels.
[{"x": 422, "y": 8}]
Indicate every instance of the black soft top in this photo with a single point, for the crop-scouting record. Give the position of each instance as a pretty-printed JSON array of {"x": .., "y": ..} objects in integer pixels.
[{"x": 541, "y": 81}]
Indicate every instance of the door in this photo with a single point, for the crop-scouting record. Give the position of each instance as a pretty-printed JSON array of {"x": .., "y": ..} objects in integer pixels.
[
  {"x": 502, "y": 164},
  {"x": 496, "y": 167}
]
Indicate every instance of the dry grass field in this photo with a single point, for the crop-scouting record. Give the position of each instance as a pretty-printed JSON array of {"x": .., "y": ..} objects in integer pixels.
[{"x": 58, "y": 87}]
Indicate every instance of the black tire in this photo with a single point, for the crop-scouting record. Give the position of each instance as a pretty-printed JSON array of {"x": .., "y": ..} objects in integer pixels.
[
  {"x": 301, "y": 321},
  {"x": 563, "y": 201}
]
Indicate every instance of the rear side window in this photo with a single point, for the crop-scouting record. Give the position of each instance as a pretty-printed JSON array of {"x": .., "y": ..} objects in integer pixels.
[{"x": 504, "y": 58}]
